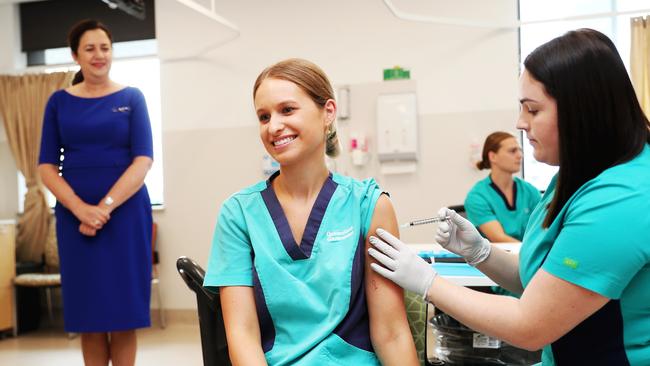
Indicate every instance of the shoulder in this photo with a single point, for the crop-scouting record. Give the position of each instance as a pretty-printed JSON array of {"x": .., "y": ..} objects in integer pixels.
[
  {"x": 235, "y": 204},
  {"x": 478, "y": 191},
  {"x": 480, "y": 186},
  {"x": 355, "y": 186},
  {"x": 131, "y": 93},
  {"x": 57, "y": 95},
  {"x": 384, "y": 206},
  {"x": 633, "y": 176},
  {"x": 529, "y": 188},
  {"x": 251, "y": 190},
  {"x": 622, "y": 189}
]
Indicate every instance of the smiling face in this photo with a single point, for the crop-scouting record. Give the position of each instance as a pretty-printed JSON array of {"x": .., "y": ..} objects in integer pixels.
[
  {"x": 94, "y": 54},
  {"x": 292, "y": 126},
  {"x": 538, "y": 118},
  {"x": 508, "y": 157}
]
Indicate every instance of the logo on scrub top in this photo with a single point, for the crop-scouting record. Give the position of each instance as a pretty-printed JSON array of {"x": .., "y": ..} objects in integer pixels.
[
  {"x": 340, "y": 235},
  {"x": 122, "y": 109},
  {"x": 571, "y": 263}
]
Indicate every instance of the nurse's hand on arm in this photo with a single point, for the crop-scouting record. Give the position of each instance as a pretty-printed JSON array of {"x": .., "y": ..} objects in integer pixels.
[
  {"x": 458, "y": 235},
  {"x": 242, "y": 326},
  {"x": 93, "y": 217},
  {"x": 389, "y": 330},
  {"x": 495, "y": 233},
  {"x": 548, "y": 309}
]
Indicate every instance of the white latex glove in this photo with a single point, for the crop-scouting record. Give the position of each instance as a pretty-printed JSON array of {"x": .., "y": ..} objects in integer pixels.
[
  {"x": 400, "y": 264},
  {"x": 459, "y": 236}
]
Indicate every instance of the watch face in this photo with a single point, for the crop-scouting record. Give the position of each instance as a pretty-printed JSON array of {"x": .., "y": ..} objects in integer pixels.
[{"x": 108, "y": 201}]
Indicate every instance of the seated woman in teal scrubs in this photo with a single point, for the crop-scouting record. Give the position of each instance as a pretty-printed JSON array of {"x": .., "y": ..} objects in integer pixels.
[
  {"x": 289, "y": 254},
  {"x": 500, "y": 205},
  {"x": 584, "y": 265}
]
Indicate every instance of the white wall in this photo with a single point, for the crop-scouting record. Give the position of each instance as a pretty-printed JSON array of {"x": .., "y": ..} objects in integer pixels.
[
  {"x": 466, "y": 85},
  {"x": 10, "y": 59}
]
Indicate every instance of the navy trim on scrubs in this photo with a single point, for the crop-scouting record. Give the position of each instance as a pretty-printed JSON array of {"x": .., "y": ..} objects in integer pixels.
[
  {"x": 598, "y": 340},
  {"x": 503, "y": 196},
  {"x": 355, "y": 327},
  {"x": 267, "y": 329},
  {"x": 313, "y": 222}
]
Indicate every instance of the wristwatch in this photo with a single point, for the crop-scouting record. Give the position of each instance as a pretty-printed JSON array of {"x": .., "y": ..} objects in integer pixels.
[{"x": 108, "y": 201}]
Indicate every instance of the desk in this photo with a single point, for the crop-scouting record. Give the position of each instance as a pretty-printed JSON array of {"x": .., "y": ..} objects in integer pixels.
[
  {"x": 461, "y": 273},
  {"x": 7, "y": 272}
]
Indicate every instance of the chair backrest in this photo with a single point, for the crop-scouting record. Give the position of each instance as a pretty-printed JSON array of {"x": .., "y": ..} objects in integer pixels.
[{"x": 213, "y": 332}]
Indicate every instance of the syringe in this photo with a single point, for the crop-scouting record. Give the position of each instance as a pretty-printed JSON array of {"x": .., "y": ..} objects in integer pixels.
[{"x": 425, "y": 221}]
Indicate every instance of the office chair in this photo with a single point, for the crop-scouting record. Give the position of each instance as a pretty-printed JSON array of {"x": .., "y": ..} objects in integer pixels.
[
  {"x": 48, "y": 281},
  {"x": 213, "y": 334}
]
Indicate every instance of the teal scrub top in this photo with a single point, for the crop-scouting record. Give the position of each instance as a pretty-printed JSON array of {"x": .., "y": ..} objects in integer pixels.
[
  {"x": 485, "y": 202},
  {"x": 600, "y": 241},
  {"x": 310, "y": 299}
]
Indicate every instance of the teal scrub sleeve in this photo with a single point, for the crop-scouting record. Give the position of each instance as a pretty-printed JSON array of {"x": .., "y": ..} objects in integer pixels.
[
  {"x": 230, "y": 262},
  {"x": 478, "y": 210},
  {"x": 140, "y": 127},
  {"x": 50, "y": 142},
  {"x": 368, "y": 202},
  {"x": 532, "y": 193},
  {"x": 603, "y": 242}
]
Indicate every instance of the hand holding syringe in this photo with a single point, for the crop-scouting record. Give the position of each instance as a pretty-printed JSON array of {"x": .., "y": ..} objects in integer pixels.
[{"x": 425, "y": 221}]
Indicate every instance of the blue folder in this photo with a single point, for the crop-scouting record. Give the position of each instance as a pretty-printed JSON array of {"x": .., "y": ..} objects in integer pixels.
[{"x": 457, "y": 269}]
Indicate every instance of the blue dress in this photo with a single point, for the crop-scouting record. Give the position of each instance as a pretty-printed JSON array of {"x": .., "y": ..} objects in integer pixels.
[{"x": 105, "y": 279}]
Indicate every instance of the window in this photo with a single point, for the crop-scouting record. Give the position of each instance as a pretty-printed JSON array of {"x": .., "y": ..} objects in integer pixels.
[
  {"x": 142, "y": 73},
  {"x": 614, "y": 21}
]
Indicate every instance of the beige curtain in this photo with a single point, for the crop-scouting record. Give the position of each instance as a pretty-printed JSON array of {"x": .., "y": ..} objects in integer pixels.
[
  {"x": 640, "y": 60},
  {"x": 22, "y": 104}
]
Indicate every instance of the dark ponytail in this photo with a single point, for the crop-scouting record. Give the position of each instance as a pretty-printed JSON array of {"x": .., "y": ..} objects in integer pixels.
[
  {"x": 492, "y": 144},
  {"x": 483, "y": 165},
  {"x": 78, "y": 77}
]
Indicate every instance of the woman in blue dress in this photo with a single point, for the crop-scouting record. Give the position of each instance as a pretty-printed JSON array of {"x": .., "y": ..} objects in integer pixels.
[
  {"x": 584, "y": 265},
  {"x": 500, "y": 204},
  {"x": 289, "y": 254},
  {"x": 96, "y": 150}
]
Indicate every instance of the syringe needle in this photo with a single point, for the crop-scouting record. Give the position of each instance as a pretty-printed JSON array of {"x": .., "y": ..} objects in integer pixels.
[{"x": 425, "y": 221}]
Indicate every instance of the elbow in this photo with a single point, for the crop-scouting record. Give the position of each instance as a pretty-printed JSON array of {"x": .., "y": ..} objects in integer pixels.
[
  {"x": 529, "y": 345},
  {"x": 45, "y": 171},
  {"x": 529, "y": 339},
  {"x": 145, "y": 162},
  {"x": 388, "y": 337}
]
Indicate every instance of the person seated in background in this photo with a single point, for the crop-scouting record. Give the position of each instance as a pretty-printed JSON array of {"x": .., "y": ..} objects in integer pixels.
[
  {"x": 500, "y": 205},
  {"x": 289, "y": 254}
]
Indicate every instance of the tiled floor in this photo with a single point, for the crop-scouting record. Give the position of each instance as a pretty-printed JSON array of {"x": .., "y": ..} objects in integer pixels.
[{"x": 178, "y": 344}]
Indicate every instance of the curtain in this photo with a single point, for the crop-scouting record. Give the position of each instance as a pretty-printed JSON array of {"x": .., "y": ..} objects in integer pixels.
[
  {"x": 22, "y": 104},
  {"x": 640, "y": 60}
]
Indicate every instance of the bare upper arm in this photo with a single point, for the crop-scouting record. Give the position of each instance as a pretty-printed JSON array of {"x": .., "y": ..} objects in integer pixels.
[
  {"x": 385, "y": 299},
  {"x": 143, "y": 160},
  {"x": 239, "y": 312},
  {"x": 553, "y": 306},
  {"x": 242, "y": 327}
]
